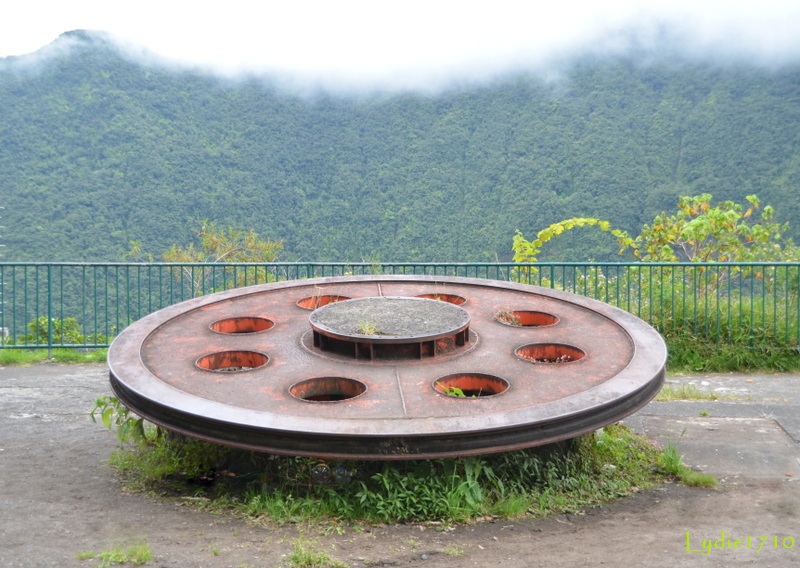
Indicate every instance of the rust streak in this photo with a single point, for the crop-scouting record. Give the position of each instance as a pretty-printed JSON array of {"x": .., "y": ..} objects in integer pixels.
[{"x": 400, "y": 390}]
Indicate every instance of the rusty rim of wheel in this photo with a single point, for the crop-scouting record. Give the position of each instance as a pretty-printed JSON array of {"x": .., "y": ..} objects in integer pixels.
[{"x": 261, "y": 381}]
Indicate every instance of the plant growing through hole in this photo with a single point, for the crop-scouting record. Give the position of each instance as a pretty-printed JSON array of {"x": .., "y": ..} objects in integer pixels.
[
  {"x": 560, "y": 359},
  {"x": 368, "y": 328},
  {"x": 321, "y": 297},
  {"x": 455, "y": 391},
  {"x": 543, "y": 358},
  {"x": 507, "y": 317}
]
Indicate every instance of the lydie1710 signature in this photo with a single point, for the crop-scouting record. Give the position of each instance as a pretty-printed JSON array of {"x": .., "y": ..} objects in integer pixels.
[{"x": 759, "y": 543}]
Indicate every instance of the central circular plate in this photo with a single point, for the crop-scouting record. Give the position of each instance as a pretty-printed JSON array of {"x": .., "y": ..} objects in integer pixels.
[
  {"x": 526, "y": 366},
  {"x": 389, "y": 319}
]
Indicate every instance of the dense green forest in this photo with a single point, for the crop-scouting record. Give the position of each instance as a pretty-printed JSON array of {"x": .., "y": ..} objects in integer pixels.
[{"x": 100, "y": 149}]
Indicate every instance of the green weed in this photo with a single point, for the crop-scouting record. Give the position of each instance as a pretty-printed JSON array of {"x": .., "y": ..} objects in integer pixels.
[
  {"x": 684, "y": 392},
  {"x": 304, "y": 555},
  {"x": 672, "y": 463},
  {"x": 166, "y": 462},
  {"x": 368, "y": 328},
  {"x": 453, "y": 550},
  {"x": 137, "y": 555}
]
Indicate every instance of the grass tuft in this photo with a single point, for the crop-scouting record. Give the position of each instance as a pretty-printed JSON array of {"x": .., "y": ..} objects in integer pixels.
[
  {"x": 136, "y": 554},
  {"x": 304, "y": 555},
  {"x": 672, "y": 464},
  {"x": 684, "y": 392}
]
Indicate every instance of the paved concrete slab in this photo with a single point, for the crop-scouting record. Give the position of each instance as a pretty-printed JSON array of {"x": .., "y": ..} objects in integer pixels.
[
  {"x": 59, "y": 498},
  {"x": 724, "y": 446},
  {"x": 751, "y": 431}
]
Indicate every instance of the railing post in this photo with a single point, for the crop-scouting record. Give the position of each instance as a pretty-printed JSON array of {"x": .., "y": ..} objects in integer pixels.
[{"x": 49, "y": 311}]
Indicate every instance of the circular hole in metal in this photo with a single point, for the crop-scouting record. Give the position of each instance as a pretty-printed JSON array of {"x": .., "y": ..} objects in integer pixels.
[
  {"x": 327, "y": 389},
  {"x": 242, "y": 325},
  {"x": 232, "y": 361},
  {"x": 314, "y": 302},
  {"x": 549, "y": 353},
  {"x": 470, "y": 385},
  {"x": 449, "y": 298},
  {"x": 525, "y": 318}
]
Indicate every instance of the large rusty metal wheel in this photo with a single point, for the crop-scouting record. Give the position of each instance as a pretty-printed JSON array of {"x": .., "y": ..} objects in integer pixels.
[{"x": 387, "y": 367}]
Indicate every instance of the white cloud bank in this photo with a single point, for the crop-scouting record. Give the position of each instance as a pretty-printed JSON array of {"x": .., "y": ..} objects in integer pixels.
[{"x": 408, "y": 43}]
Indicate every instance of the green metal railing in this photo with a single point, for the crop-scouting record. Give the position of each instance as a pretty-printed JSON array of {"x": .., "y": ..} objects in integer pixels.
[{"x": 84, "y": 305}]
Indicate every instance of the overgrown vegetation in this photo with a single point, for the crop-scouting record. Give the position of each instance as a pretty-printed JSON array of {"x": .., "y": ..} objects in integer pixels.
[
  {"x": 585, "y": 472},
  {"x": 698, "y": 232},
  {"x": 31, "y": 356},
  {"x": 712, "y": 318}
]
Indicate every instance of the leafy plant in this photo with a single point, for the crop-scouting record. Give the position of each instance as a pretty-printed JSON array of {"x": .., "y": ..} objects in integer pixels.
[
  {"x": 216, "y": 245},
  {"x": 725, "y": 232},
  {"x": 65, "y": 330},
  {"x": 528, "y": 251},
  {"x": 116, "y": 416},
  {"x": 452, "y": 391},
  {"x": 58, "y": 331},
  {"x": 698, "y": 232}
]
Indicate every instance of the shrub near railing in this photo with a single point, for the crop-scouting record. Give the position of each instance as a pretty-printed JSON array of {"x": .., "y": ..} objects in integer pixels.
[{"x": 714, "y": 316}]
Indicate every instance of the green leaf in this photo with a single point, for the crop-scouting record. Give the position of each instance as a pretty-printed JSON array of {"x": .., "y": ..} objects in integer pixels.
[{"x": 106, "y": 417}]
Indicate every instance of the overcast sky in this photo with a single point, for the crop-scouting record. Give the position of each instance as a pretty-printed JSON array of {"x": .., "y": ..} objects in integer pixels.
[{"x": 403, "y": 43}]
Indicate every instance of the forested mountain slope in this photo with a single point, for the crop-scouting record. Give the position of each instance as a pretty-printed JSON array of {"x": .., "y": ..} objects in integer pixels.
[{"x": 98, "y": 149}]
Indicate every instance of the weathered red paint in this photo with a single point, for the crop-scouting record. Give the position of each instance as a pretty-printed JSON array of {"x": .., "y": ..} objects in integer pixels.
[{"x": 254, "y": 385}]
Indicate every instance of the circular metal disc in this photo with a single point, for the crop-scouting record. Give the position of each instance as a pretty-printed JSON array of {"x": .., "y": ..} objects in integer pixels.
[{"x": 563, "y": 366}]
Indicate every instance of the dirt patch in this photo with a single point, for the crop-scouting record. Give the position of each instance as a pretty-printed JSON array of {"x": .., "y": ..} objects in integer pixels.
[{"x": 59, "y": 498}]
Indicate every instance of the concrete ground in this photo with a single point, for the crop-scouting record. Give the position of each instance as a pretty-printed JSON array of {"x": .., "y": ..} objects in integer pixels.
[
  {"x": 59, "y": 498},
  {"x": 751, "y": 430}
]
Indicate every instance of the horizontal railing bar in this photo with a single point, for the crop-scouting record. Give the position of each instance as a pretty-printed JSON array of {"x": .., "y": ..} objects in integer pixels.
[{"x": 84, "y": 304}]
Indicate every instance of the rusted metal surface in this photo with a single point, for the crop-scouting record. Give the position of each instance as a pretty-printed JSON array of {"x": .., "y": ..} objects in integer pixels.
[
  {"x": 241, "y": 368},
  {"x": 391, "y": 327}
]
